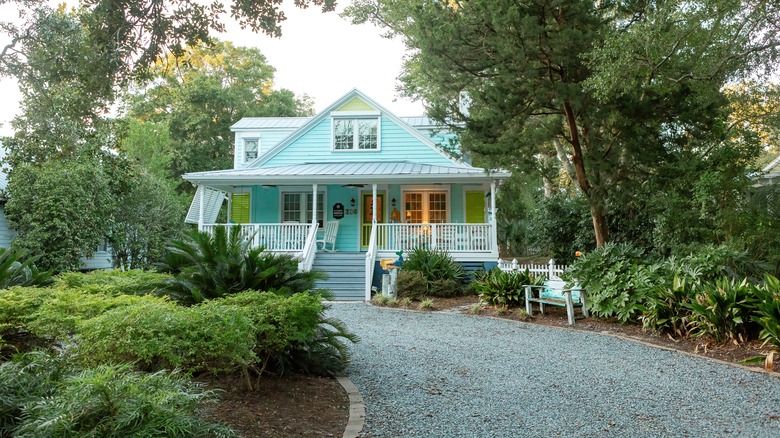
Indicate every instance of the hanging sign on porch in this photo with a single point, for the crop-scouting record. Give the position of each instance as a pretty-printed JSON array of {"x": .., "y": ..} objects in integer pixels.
[{"x": 338, "y": 210}]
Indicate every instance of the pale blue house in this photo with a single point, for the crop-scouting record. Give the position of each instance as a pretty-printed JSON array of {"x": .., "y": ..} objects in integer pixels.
[{"x": 299, "y": 180}]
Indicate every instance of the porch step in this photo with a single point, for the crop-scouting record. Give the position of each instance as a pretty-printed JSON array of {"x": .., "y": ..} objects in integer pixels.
[{"x": 346, "y": 274}]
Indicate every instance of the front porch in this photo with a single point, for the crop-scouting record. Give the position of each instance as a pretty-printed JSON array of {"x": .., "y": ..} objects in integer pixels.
[{"x": 380, "y": 209}]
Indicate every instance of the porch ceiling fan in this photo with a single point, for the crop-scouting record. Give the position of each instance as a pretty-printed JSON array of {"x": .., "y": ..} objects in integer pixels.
[{"x": 360, "y": 186}]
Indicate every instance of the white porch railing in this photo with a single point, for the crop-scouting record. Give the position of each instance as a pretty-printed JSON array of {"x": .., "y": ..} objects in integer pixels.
[
  {"x": 371, "y": 259},
  {"x": 453, "y": 238},
  {"x": 550, "y": 270},
  {"x": 273, "y": 237}
]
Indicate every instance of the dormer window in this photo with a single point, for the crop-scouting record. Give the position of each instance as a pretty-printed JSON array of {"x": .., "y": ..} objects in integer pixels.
[
  {"x": 355, "y": 134},
  {"x": 251, "y": 147}
]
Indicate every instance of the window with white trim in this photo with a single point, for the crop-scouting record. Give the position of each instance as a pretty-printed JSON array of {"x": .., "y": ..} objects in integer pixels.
[
  {"x": 297, "y": 207},
  {"x": 251, "y": 149},
  {"x": 355, "y": 134},
  {"x": 426, "y": 207}
]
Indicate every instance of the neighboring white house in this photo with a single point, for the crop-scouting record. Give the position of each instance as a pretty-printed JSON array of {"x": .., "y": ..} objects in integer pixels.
[
  {"x": 102, "y": 258},
  {"x": 771, "y": 173}
]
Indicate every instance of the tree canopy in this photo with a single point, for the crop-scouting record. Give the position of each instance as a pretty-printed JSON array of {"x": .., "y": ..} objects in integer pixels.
[{"x": 627, "y": 95}]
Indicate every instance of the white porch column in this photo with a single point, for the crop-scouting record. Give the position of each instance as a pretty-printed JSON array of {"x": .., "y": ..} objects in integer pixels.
[
  {"x": 314, "y": 205},
  {"x": 373, "y": 206},
  {"x": 493, "y": 220},
  {"x": 200, "y": 207}
]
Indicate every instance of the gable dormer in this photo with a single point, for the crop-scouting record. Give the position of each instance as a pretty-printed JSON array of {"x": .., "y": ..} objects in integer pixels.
[{"x": 355, "y": 127}]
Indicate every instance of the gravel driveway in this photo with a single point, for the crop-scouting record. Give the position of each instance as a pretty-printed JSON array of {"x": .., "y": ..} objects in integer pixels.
[{"x": 451, "y": 375}]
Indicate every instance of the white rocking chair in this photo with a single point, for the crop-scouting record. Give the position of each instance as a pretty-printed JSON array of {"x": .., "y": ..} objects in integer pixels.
[{"x": 329, "y": 236}]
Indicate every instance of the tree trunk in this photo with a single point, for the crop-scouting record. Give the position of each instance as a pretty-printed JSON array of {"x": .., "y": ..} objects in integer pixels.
[{"x": 596, "y": 205}]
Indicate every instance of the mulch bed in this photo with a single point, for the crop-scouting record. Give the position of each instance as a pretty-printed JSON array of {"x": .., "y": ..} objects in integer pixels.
[
  {"x": 291, "y": 406},
  {"x": 556, "y": 316}
]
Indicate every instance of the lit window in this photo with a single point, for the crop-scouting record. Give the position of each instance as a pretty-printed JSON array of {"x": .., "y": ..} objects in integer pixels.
[
  {"x": 355, "y": 134},
  {"x": 425, "y": 207},
  {"x": 251, "y": 147}
]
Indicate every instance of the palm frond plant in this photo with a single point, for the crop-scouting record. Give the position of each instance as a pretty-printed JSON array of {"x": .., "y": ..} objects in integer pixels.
[
  {"x": 213, "y": 265},
  {"x": 18, "y": 269}
]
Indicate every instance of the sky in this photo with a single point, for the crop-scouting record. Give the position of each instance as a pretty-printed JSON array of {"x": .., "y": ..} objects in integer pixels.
[{"x": 319, "y": 54}]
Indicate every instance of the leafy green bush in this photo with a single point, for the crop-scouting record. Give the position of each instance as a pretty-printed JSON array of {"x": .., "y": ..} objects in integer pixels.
[
  {"x": 616, "y": 278},
  {"x": 724, "y": 310},
  {"x": 44, "y": 396},
  {"x": 211, "y": 266},
  {"x": 411, "y": 284},
  {"x": 445, "y": 287},
  {"x": 768, "y": 310},
  {"x": 710, "y": 262},
  {"x": 500, "y": 288},
  {"x": 436, "y": 265},
  {"x": 246, "y": 331},
  {"x": 54, "y": 314},
  {"x": 114, "y": 282}
]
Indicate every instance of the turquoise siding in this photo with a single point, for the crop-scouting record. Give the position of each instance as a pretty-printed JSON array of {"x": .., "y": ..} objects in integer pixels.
[
  {"x": 269, "y": 138},
  {"x": 396, "y": 144},
  {"x": 348, "y": 235},
  {"x": 264, "y": 203},
  {"x": 457, "y": 208}
]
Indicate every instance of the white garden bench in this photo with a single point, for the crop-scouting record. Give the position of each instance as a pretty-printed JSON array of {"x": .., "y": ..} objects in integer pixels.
[
  {"x": 555, "y": 293},
  {"x": 329, "y": 236}
]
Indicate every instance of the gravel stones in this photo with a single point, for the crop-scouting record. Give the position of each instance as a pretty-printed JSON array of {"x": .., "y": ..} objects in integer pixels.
[{"x": 450, "y": 375}]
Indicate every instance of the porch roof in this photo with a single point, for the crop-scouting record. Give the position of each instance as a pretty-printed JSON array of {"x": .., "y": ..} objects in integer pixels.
[{"x": 346, "y": 172}]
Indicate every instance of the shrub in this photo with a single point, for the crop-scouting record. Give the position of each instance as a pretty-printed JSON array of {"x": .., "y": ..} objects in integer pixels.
[
  {"x": 499, "y": 288},
  {"x": 444, "y": 287},
  {"x": 211, "y": 266},
  {"x": 43, "y": 396},
  {"x": 711, "y": 262},
  {"x": 114, "y": 282},
  {"x": 768, "y": 310},
  {"x": 724, "y": 310},
  {"x": 246, "y": 331},
  {"x": 436, "y": 265},
  {"x": 616, "y": 278},
  {"x": 53, "y": 315},
  {"x": 411, "y": 284}
]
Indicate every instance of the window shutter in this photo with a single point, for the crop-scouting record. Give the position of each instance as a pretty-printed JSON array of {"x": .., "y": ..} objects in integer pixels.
[
  {"x": 475, "y": 207},
  {"x": 239, "y": 211}
]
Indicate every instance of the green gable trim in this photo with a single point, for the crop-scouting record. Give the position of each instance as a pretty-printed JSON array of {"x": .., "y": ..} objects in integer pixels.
[
  {"x": 357, "y": 104},
  {"x": 239, "y": 211}
]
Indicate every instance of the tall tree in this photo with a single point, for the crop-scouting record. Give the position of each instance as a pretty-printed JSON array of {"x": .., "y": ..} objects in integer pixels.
[
  {"x": 615, "y": 87},
  {"x": 200, "y": 93},
  {"x": 132, "y": 34}
]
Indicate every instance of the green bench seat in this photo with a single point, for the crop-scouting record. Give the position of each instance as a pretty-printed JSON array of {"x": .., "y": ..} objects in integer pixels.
[{"x": 555, "y": 293}]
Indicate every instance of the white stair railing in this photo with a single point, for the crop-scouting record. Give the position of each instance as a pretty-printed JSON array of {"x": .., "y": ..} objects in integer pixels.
[
  {"x": 309, "y": 249},
  {"x": 370, "y": 261}
]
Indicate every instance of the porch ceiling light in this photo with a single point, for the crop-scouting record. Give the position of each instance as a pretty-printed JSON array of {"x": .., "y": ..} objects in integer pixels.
[{"x": 352, "y": 202}]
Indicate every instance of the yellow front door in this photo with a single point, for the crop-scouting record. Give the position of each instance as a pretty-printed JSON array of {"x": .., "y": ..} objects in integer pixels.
[{"x": 367, "y": 215}]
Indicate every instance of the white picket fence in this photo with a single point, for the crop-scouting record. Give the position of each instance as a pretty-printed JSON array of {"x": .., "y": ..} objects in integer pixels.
[{"x": 550, "y": 270}]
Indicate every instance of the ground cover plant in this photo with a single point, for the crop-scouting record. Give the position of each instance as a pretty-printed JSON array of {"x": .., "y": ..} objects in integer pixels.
[{"x": 48, "y": 395}]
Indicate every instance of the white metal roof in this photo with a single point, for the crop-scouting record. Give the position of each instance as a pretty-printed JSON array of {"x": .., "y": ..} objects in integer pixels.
[
  {"x": 349, "y": 172},
  {"x": 297, "y": 122},
  {"x": 270, "y": 123},
  {"x": 771, "y": 166}
]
